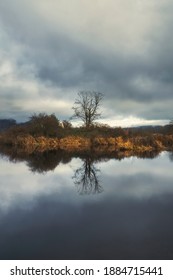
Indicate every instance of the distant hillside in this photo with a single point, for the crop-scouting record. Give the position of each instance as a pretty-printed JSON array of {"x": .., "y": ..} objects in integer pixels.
[
  {"x": 143, "y": 127},
  {"x": 148, "y": 128},
  {"x": 6, "y": 123}
]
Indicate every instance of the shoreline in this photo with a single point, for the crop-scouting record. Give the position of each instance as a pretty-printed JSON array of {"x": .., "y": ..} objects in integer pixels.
[{"x": 155, "y": 142}]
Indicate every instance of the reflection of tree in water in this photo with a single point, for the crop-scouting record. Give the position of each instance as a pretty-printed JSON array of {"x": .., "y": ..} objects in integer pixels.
[
  {"x": 86, "y": 178},
  {"x": 46, "y": 161},
  {"x": 37, "y": 161},
  {"x": 42, "y": 162}
]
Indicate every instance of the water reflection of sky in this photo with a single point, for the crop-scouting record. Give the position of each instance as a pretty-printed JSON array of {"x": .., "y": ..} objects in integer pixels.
[
  {"x": 132, "y": 177},
  {"x": 45, "y": 214}
]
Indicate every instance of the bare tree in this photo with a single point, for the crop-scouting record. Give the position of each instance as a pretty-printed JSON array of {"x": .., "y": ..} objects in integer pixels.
[{"x": 86, "y": 106}]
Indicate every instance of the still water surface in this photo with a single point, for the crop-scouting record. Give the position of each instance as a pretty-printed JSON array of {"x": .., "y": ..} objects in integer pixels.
[{"x": 85, "y": 209}]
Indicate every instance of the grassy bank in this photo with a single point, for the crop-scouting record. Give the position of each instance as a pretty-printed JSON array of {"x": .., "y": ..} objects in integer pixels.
[
  {"x": 155, "y": 142},
  {"x": 45, "y": 132}
]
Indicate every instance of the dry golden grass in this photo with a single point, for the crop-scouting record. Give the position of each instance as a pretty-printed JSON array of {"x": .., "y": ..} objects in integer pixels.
[
  {"x": 139, "y": 144},
  {"x": 71, "y": 142}
]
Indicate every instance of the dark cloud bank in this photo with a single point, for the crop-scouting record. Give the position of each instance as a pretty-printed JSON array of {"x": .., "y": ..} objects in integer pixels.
[{"x": 124, "y": 53}]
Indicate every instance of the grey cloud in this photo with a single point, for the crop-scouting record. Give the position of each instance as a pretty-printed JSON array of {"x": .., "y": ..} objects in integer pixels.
[{"x": 141, "y": 78}]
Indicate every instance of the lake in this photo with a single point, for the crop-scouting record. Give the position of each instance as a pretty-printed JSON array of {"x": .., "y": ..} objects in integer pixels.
[{"x": 85, "y": 208}]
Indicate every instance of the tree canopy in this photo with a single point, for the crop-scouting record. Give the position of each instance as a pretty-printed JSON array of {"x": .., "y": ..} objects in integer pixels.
[{"x": 43, "y": 125}]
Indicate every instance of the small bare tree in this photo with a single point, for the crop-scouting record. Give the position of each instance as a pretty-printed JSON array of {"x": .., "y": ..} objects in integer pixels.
[{"x": 86, "y": 107}]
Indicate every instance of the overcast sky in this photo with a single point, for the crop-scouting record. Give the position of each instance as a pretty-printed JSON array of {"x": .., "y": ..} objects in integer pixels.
[{"x": 52, "y": 49}]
